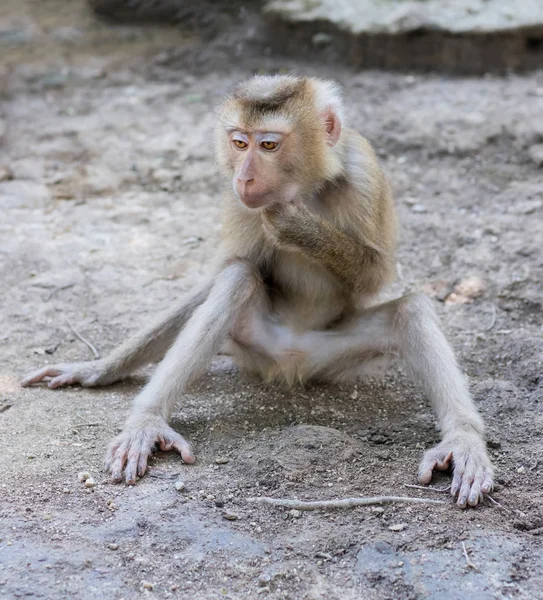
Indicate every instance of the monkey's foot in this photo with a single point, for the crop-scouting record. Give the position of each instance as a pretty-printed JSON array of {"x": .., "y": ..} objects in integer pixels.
[
  {"x": 86, "y": 374},
  {"x": 472, "y": 469},
  {"x": 129, "y": 452}
]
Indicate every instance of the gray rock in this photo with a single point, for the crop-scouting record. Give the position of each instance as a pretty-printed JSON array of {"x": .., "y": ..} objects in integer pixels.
[
  {"x": 404, "y": 16},
  {"x": 464, "y": 36},
  {"x": 536, "y": 154}
]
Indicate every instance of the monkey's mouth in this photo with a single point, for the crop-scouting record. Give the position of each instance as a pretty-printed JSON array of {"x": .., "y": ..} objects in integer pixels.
[{"x": 256, "y": 200}]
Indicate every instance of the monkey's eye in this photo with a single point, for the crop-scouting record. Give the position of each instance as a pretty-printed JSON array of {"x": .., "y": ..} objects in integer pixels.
[
  {"x": 269, "y": 145},
  {"x": 240, "y": 144}
]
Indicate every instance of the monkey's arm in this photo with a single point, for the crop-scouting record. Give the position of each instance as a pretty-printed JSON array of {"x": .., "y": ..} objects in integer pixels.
[
  {"x": 207, "y": 329},
  {"x": 348, "y": 258},
  {"x": 147, "y": 346}
]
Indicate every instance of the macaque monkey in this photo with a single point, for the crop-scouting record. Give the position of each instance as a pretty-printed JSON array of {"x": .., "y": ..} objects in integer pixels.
[{"x": 309, "y": 241}]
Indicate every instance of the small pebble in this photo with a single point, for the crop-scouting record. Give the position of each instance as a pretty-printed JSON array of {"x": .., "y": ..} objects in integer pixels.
[
  {"x": 147, "y": 585},
  {"x": 295, "y": 514},
  {"x": 521, "y": 469},
  {"x": 90, "y": 482},
  {"x": 6, "y": 174},
  {"x": 222, "y": 461},
  {"x": 113, "y": 546},
  {"x": 398, "y": 527},
  {"x": 30, "y": 456},
  {"x": 321, "y": 39},
  {"x": 229, "y": 516},
  {"x": 180, "y": 486},
  {"x": 419, "y": 208},
  {"x": 536, "y": 154},
  {"x": 83, "y": 476},
  {"x": 377, "y": 509}
]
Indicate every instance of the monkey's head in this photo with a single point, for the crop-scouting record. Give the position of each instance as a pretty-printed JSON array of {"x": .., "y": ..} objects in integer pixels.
[{"x": 278, "y": 138}]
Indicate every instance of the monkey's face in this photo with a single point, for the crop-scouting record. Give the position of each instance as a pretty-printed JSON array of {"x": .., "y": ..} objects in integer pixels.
[
  {"x": 263, "y": 170},
  {"x": 275, "y": 138}
]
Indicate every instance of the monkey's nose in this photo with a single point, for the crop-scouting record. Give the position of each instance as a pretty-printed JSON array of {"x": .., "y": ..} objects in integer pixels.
[{"x": 245, "y": 181}]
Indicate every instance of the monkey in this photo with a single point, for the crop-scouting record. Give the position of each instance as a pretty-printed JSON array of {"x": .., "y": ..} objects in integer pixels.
[{"x": 309, "y": 239}]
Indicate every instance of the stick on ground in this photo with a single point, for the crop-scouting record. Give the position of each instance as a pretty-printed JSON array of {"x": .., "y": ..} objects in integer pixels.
[
  {"x": 342, "y": 503},
  {"x": 428, "y": 488},
  {"x": 468, "y": 561},
  {"x": 84, "y": 340}
]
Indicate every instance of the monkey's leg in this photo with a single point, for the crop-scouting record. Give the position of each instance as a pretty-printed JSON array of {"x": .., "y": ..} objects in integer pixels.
[
  {"x": 198, "y": 342},
  {"x": 147, "y": 346},
  {"x": 409, "y": 327}
]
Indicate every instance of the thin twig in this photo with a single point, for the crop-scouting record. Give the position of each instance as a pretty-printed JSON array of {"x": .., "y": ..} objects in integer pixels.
[
  {"x": 428, "y": 488},
  {"x": 492, "y": 319},
  {"x": 468, "y": 561},
  {"x": 84, "y": 340},
  {"x": 59, "y": 289},
  {"x": 342, "y": 503},
  {"x": 85, "y": 425},
  {"x": 487, "y": 328},
  {"x": 495, "y": 502}
]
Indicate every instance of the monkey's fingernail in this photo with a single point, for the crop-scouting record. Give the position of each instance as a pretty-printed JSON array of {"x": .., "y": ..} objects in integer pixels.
[
  {"x": 425, "y": 476},
  {"x": 188, "y": 458},
  {"x": 473, "y": 499},
  {"x": 462, "y": 501}
]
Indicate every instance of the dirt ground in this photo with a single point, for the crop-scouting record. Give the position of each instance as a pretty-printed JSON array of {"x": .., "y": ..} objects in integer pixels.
[{"x": 109, "y": 205}]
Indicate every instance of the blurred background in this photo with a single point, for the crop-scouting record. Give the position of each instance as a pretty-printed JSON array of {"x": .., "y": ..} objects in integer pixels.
[{"x": 109, "y": 210}]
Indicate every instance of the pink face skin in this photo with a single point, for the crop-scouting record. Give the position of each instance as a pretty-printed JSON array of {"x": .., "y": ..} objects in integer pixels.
[{"x": 257, "y": 179}]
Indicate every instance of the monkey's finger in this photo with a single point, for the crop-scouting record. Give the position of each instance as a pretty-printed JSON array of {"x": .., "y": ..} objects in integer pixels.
[
  {"x": 117, "y": 464},
  {"x": 456, "y": 483},
  {"x": 183, "y": 447},
  {"x": 488, "y": 484},
  {"x": 39, "y": 375},
  {"x": 464, "y": 493},
  {"x": 142, "y": 464},
  {"x": 476, "y": 494},
  {"x": 111, "y": 453},
  {"x": 165, "y": 445},
  {"x": 426, "y": 469},
  {"x": 443, "y": 465},
  {"x": 61, "y": 380},
  {"x": 131, "y": 467}
]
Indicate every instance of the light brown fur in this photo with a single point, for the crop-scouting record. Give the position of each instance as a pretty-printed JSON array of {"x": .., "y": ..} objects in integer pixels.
[{"x": 309, "y": 238}]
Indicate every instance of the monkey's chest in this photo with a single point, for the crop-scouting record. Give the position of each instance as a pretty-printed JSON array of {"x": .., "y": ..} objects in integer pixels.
[{"x": 304, "y": 295}]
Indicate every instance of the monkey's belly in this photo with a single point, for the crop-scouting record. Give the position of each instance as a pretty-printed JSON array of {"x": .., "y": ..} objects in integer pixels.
[{"x": 273, "y": 351}]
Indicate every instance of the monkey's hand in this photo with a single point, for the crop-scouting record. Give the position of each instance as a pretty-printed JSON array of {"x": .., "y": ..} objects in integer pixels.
[
  {"x": 143, "y": 434},
  {"x": 472, "y": 469},
  {"x": 87, "y": 374},
  {"x": 284, "y": 223}
]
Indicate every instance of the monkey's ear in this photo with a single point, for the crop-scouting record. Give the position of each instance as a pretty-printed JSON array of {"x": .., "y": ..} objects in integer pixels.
[{"x": 332, "y": 126}]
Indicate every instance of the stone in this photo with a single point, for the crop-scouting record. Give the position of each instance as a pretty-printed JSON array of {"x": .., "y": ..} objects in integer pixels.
[
  {"x": 411, "y": 34},
  {"x": 401, "y": 16},
  {"x": 535, "y": 152}
]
